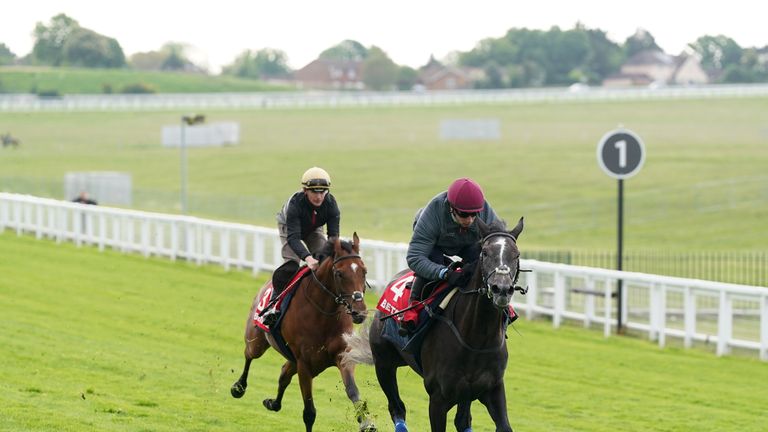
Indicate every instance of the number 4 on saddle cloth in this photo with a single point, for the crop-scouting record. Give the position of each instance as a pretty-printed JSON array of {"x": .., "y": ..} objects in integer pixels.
[
  {"x": 396, "y": 295},
  {"x": 395, "y": 298}
]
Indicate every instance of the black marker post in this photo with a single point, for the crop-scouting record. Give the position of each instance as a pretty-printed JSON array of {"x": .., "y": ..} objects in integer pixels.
[{"x": 620, "y": 153}]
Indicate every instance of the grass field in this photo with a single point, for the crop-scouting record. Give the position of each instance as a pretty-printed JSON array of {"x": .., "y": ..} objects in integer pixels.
[
  {"x": 28, "y": 79},
  {"x": 703, "y": 186},
  {"x": 107, "y": 342}
]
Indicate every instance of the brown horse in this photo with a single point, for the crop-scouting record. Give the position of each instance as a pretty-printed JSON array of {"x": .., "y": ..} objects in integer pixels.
[
  {"x": 324, "y": 306},
  {"x": 8, "y": 140}
]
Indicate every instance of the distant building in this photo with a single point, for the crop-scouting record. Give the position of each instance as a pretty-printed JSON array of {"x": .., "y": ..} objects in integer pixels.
[
  {"x": 436, "y": 76},
  {"x": 328, "y": 74},
  {"x": 656, "y": 67}
]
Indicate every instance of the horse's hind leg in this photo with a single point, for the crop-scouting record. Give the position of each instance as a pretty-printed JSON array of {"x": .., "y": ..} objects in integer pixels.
[
  {"x": 255, "y": 345},
  {"x": 463, "y": 419},
  {"x": 361, "y": 407},
  {"x": 286, "y": 374},
  {"x": 387, "y": 377}
]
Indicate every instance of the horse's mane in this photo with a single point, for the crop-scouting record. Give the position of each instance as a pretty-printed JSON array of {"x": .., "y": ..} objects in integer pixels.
[
  {"x": 329, "y": 248},
  {"x": 497, "y": 226}
]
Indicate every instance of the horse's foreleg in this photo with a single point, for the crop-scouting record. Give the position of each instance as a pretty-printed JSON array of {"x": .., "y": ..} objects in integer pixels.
[
  {"x": 286, "y": 374},
  {"x": 361, "y": 407},
  {"x": 238, "y": 388},
  {"x": 438, "y": 410},
  {"x": 387, "y": 377},
  {"x": 496, "y": 403},
  {"x": 255, "y": 345},
  {"x": 463, "y": 419},
  {"x": 305, "y": 382}
]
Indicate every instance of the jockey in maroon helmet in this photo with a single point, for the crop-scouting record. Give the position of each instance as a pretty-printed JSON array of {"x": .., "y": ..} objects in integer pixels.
[{"x": 446, "y": 227}]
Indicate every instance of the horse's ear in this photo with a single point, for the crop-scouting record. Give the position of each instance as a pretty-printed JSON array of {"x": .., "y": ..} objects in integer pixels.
[
  {"x": 355, "y": 242},
  {"x": 517, "y": 229},
  {"x": 483, "y": 227},
  {"x": 337, "y": 251}
]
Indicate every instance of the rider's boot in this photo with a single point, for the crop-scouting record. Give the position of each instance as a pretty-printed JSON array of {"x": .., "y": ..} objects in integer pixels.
[{"x": 410, "y": 317}]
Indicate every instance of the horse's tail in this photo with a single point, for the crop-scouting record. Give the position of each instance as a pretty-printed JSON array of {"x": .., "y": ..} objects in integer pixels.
[{"x": 358, "y": 347}]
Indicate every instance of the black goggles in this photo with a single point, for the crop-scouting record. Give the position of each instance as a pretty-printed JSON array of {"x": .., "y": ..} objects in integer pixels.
[
  {"x": 317, "y": 184},
  {"x": 463, "y": 214}
]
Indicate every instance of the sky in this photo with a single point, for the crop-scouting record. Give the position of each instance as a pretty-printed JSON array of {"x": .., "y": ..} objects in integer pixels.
[{"x": 408, "y": 31}]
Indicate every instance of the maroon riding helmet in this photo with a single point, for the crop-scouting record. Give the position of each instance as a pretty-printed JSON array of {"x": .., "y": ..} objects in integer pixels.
[{"x": 466, "y": 196}]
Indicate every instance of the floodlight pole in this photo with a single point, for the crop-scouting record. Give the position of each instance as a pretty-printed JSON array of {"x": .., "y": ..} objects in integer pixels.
[{"x": 187, "y": 120}]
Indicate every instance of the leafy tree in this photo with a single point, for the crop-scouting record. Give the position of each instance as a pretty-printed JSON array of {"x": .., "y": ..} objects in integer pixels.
[
  {"x": 751, "y": 68},
  {"x": 49, "y": 40},
  {"x": 640, "y": 41},
  {"x": 262, "y": 64},
  {"x": 407, "y": 77},
  {"x": 567, "y": 55},
  {"x": 87, "y": 48},
  {"x": 349, "y": 50},
  {"x": 174, "y": 57},
  {"x": 6, "y": 55},
  {"x": 717, "y": 52},
  {"x": 64, "y": 43},
  {"x": 605, "y": 56},
  {"x": 378, "y": 70},
  {"x": 524, "y": 57}
]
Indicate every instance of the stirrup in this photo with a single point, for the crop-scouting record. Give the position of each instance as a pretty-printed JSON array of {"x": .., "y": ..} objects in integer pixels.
[
  {"x": 270, "y": 318},
  {"x": 406, "y": 328}
]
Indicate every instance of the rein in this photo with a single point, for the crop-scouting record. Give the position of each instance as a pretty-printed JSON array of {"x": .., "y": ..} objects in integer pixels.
[
  {"x": 485, "y": 290},
  {"x": 339, "y": 298}
]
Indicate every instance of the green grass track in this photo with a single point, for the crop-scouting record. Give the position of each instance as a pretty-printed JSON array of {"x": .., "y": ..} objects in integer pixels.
[{"x": 94, "y": 341}]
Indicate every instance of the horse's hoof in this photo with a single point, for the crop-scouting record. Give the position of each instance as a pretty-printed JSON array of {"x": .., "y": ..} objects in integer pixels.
[
  {"x": 237, "y": 390},
  {"x": 370, "y": 427},
  {"x": 271, "y": 405},
  {"x": 400, "y": 427}
]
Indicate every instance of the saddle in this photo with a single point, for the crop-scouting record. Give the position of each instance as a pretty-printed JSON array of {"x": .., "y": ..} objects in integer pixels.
[
  {"x": 394, "y": 299},
  {"x": 276, "y": 299}
]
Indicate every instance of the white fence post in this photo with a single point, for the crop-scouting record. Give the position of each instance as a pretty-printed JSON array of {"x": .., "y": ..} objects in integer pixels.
[
  {"x": 724, "y": 324},
  {"x": 608, "y": 304},
  {"x": 533, "y": 289},
  {"x": 764, "y": 328},
  {"x": 559, "y": 300},
  {"x": 661, "y": 315},
  {"x": 258, "y": 253},
  {"x": 689, "y": 313},
  {"x": 589, "y": 302}
]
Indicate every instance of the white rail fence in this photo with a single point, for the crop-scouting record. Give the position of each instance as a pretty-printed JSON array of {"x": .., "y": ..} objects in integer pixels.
[
  {"x": 694, "y": 311},
  {"x": 294, "y": 100}
]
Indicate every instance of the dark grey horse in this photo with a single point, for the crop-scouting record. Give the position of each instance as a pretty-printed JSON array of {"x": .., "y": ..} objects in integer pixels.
[{"x": 464, "y": 354}]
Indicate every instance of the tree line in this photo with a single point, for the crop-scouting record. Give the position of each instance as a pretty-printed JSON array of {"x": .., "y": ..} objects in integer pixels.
[{"x": 521, "y": 58}]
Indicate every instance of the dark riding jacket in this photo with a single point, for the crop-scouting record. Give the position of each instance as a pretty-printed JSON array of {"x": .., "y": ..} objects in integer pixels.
[
  {"x": 301, "y": 218},
  {"x": 435, "y": 229}
]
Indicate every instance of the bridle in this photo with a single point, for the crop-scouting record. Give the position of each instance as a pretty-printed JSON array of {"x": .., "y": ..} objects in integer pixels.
[
  {"x": 338, "y": 297},
  {"x": 503, "y": 269}
]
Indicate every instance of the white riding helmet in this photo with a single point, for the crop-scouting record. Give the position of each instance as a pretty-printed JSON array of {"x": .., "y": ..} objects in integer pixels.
[{"x": 316, "y": 178}]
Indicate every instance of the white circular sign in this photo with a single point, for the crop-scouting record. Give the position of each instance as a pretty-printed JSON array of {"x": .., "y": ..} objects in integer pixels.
[{"x": 620, "y": 153}]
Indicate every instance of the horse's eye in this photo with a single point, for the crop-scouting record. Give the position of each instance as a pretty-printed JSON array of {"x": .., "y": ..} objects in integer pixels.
[{"x": 337, "y": 273}]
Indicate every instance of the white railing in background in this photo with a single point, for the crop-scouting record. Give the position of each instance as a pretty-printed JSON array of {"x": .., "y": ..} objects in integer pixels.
[
  {"x": 331, "y": 99},
  {"x": 729, "y": 316}
]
